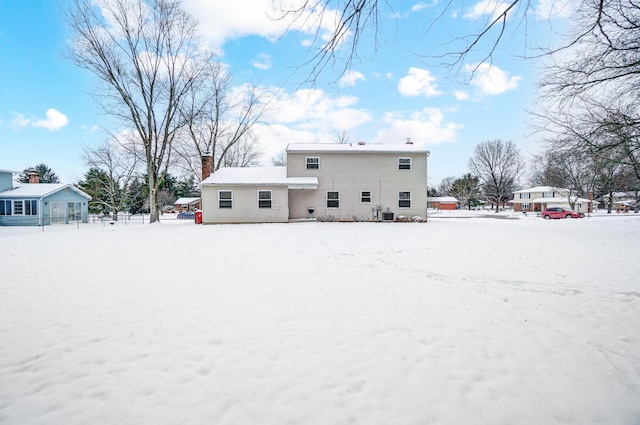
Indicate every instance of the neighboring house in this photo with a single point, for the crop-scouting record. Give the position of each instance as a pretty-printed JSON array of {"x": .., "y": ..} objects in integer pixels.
[
  {"x": 442, "y": 202},
  {"x": 36, "y": 204},
  {"x": 341, "y": 182},
  {"x": 187, "y": 204},
  {"x": 538, "y": 198},
  {"x": 620, "y": 200}
]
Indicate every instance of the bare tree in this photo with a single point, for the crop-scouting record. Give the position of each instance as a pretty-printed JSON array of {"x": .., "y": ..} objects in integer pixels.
[
  {"x": 243, "y": 153},
  {"x": 465, "y": 189},
  {"x": 220, "y": 119},
  {"x": 279, "y": 159},
  {"x": 497, "y": 164},
  {"x": 147, "y": 56},
  {"x": 357, "y": 23},
  {"x": 444, "y": 188},
  {"x": 573, "y": 169},
  {"x": 118, "y": 169},
  {"x": 600, "y": 55}
]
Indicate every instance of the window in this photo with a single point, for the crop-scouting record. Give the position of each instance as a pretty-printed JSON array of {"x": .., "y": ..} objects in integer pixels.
[
  {"x": 264, "y": 199},
  {"x": 225, "y": 199},
  {"x": 18, "y": 208},
  {"x": 524, "y": 207},
  {"x": 31, "y": 207},
  {"x": 525, "y": 196},
  {"x": 313, "y": 163},
  {"x": 404, "y": 163},
  {"x": 365, "y": 197},
  {"x": 5, "y": 207},
  {"x": 333, "y": 199},
  {"x": 404, "y": 199}
]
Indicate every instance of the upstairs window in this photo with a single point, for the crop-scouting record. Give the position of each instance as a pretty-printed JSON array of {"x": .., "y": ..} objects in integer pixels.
[
  {"x": 225, "y": 199},
  {"x": 313, "y": 163},
  {"x": 404, "y": 163},
  {"x": 264, "y": 199}
]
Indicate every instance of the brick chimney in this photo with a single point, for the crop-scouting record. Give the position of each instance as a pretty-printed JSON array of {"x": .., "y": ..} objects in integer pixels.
[
  {"x": 34, "y": 178},
  {"x": 207, "y": 165}
]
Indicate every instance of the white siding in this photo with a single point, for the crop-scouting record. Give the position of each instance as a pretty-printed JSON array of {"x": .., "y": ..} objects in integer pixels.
[
  {"x": 245, "y": 205},
  {"x": 351, "y": 173}
]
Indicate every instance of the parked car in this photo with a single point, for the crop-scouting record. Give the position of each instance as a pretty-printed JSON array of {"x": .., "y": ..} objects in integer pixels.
[
  {"x": 186, "y": 215},
  {"x": 557, "y": 212}
]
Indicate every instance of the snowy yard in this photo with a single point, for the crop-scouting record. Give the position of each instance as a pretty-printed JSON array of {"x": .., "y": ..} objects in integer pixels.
[{"x": 456, "y": 321}]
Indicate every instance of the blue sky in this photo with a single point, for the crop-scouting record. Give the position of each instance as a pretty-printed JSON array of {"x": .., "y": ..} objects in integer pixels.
[{"x": 47, "y": 113}]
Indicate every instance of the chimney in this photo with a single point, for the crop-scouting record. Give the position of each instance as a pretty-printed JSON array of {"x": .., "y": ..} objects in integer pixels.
[
  {"x": 207, "y": 165},
  {"x": 34, "y": 178}
]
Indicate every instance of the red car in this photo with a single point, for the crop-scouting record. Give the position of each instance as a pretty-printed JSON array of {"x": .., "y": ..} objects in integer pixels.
[{"x": 557, "y": 212}]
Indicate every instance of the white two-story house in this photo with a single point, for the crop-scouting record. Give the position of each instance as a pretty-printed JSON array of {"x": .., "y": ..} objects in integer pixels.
[
  {"x": 538, "y": 198},
  {"x": 341, "y": 182}
]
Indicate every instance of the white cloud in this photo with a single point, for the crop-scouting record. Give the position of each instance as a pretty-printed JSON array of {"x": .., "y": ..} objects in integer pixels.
[
  {"x": 426, "y": 127},
  {"x": 54, "y": 120},
  {"x": 220, "y": 21},
  {"x": 491, "y": 79},
  {"x": 262, "y": 62},
  {"x": 461, "y": 95},
  {"x": 19, "y": 121},
  {"x": 486, "y": 7},
  {"x": 306, "y": 116},
  {"x": 350, "y": 78},
  {"x": 554, "y": 9},
  {"x": 419, "y": 82}
]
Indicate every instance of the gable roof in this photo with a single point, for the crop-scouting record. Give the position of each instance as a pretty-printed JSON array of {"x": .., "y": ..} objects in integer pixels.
[
  {"x": 541, "y": 189},
  {"x": 354, "y": 148},
  {"x": 258, "y": 176},
  {"x": 186, "y": 201},
  {"x": 39, "y": 190},
  {"x": 443, "y": 199}
]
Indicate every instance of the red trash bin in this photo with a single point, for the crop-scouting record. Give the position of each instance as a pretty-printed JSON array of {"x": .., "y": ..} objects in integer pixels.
[{"x": 198, "y": 217}]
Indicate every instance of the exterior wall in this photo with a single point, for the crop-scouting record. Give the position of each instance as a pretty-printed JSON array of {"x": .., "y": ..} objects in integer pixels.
[
  {"x": 66, "y": 196},
  {"x": 445, "y": 206},
  {"x": 6, "y": 182},
  {"x": 245, "y": 205},
  {"x": 351, "y": 173},
  {"x": 518, "y": 201}
]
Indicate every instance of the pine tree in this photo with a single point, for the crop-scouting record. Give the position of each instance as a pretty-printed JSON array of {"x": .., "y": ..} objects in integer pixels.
[{"x": 45, "y": 173}]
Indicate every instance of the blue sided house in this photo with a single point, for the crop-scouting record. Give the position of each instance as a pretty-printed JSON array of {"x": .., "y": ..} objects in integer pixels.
[{"x": 36, "y": 204}]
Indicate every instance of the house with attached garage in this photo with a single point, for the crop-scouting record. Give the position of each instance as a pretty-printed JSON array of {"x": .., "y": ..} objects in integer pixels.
[
  {"x": 37, "y": 204},
  {"x": 536, "y": 199},
  {"x": 337, "y": 182}
]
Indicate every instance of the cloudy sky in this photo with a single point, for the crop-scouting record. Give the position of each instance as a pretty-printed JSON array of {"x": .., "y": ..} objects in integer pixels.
[{"x": 395, "y": 89}]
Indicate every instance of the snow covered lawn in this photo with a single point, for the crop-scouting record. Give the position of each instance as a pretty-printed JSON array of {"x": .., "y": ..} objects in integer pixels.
[{"x": 456, "y": 321}]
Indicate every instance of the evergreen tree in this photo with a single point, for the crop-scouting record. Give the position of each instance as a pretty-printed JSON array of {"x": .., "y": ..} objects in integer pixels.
[
  {"x": 45, "y": 173},
  {"x": 137, "y": 197},
  {"x": 94, "y": 185}
]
